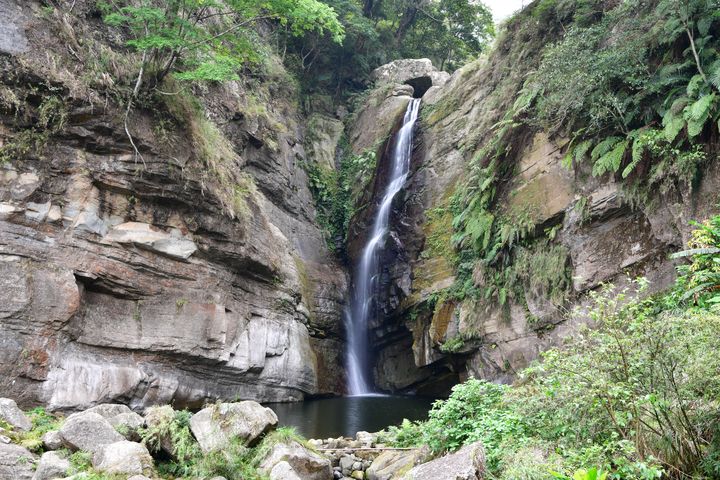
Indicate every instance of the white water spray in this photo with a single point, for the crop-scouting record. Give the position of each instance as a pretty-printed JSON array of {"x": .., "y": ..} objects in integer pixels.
[{"x": 368, "y": 271}]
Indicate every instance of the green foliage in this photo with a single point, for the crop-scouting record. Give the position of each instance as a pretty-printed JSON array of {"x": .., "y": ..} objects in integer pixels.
[
  {"x": 476, "y": 411},
  {"x": 42, "y": 422},
  {"x": 173, "y": 427},
  {"x": 701, "y": 279},
  {"x": 210, "y": 40},
  {"x": 634, "y": 397},
  {"x": 582, "y": 474},
  {"x": 51, "y": 119},
  {"x": 450, "y": 33},
  {"x": 235, "y": 462},
  {"x": 337, "y": 193},
  {"x": 453, "y": 345},
  {"x": 607, "y": 83}
]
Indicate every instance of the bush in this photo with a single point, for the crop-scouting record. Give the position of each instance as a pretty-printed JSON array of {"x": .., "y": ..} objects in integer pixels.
[{"x": 634, "y": 395}]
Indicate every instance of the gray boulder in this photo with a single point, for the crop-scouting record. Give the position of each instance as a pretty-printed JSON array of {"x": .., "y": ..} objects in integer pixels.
[
  {"x": 120, "y": 417},
  {"x": 16, "y": 462},
  {"x": 284, "y": 471},
  {"x": 214, "y": 427},
  {"x": 10, "y": 413},
  {"x": 154, "y": 418},
  {"x": 88, "y": 431},
  {"x": 468, "y": 463},
  {"x": 395, "y": 463},
  {"x": 51, "y": 465},
  {"x": 406, "y": 70},
  {"x": 52, "y": 440},
  {"x": 287, "y": 461},
  {"x": 123, "y": 457}
]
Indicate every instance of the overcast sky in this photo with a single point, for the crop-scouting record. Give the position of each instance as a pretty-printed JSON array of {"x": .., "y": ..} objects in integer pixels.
[{"x": 504, "y": 8}]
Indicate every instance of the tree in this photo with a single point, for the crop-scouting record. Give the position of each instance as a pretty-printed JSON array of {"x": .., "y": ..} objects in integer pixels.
[
  {"x": 206, "y": 40},
  {"x": 210, "y": 39},
  {"x": 450, "y": 32}
]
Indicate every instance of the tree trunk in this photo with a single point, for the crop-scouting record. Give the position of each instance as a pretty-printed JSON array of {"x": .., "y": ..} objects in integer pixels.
[{"x": 368, "y": 6}]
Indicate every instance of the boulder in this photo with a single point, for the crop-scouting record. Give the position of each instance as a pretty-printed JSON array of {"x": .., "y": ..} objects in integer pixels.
[
  {"x": 468, "y": 463},
  {"x": 51, "y": 465},
  {"x": 10, "y": 413},
  {"x": 124, "y": 420},
  {"x": 214, "y": 427},
  {"x": 156, "y": 416},
  {"x": 88, "y": 431},
  {"x": 292, "y": 460},
  {"x": 406, "y": 70},
  {"x": 52, "y": 440},
  {"x": 123, "y": 457},
  {"x": 283, "y": 471},
  {"x": 16, "y": 462},
  {"x": 395, "y": 463}
]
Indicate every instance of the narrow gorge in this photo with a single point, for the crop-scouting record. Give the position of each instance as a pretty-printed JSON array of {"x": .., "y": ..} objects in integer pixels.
[{"x": 206, "y": 206}]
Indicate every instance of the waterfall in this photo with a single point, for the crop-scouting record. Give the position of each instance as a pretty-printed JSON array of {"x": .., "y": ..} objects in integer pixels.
[{"x": 368, "y": 270}]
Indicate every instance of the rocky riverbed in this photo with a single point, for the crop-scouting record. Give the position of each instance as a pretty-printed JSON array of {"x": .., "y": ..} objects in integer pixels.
[{"x": 241, "y": 440}]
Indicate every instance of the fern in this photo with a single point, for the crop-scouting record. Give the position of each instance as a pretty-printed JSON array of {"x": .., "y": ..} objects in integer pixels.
[
  {"x": 698, "y": 113},
  {"x": 611, "y": 160},
  {"x": 604, "y": 147},
  {"x": 673, "y": 124}
]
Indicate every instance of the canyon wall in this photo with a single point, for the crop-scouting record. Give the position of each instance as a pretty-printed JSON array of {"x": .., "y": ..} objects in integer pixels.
[
  {"x": 191, "y": 270},
  {"x": 425, "y": 339}
]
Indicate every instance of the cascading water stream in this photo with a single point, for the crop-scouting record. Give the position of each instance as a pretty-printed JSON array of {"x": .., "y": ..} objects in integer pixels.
[{"x": 368, "y": 270}]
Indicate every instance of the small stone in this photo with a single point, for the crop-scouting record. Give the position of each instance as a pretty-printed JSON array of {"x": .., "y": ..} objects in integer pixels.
[
  {"x": 51, "y": 465},
  {"x": 357, "y": 475},
  {"x": 55, "y": 214},
  {"x": 10, "y": 413},
  {"x": 357, "y": 466},
  {"x": 337, "y": 475},
  {"x": 4, "y": 439},
  {"x": 365, "y": 438},
  {"x": 143, "y": 477},
  {"x": 37, "y": 211},
  {"x": 346, "y": 463},
  {"x": 52, "y": 440}
]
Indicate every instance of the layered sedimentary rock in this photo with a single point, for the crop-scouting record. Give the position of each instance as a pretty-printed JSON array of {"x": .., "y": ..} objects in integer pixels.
[
  {"x": 604, "y": 237},
  {"x": 190, "y": 271}
]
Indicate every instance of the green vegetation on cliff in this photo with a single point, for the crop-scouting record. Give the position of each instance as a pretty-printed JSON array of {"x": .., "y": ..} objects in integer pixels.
[
  {"x": 628, "y": 89},
  {"x": 634, "y": 395}
]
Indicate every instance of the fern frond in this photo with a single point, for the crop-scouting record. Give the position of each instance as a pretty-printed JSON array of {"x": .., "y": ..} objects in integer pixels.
[
  {"x": 610, "y": 161},
  {"x": 695, "y": 251},
  {"x": 604, "y": 147}
]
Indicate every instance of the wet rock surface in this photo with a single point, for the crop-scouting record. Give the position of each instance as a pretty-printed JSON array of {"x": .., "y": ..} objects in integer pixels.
[{"x": 603, "y": 236}]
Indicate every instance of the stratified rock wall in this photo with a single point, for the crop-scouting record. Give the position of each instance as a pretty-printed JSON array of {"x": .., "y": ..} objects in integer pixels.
[
  {"x": 605, "y": 238},
  {"x": 158, "y": 278}
]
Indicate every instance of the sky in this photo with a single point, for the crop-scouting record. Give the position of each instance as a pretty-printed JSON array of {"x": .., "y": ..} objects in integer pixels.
[{"x": 504, "y": 8}]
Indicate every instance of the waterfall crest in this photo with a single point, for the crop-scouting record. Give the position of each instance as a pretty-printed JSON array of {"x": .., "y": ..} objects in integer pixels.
[{"x": 368, "y": 270}]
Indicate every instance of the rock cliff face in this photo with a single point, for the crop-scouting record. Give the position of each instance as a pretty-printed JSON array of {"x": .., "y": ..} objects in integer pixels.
[
  {"x": 191, "y": 272},
  {"x": 596, "y": 233}
]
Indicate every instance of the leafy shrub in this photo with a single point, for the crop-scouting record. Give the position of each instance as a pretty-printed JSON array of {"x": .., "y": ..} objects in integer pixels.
[{"x": 634, "y": 395}]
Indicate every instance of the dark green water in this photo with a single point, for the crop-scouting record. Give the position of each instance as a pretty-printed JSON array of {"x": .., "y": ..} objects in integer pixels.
[{"x": 333, "y": 417}]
